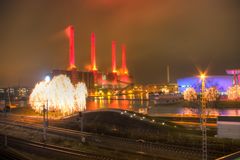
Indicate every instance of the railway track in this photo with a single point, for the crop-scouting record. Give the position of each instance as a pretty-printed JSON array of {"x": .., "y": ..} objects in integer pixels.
[
  {"x": 149, "y": 149},
  {"x": 38, "y": 147},
  {"x": 8, "y": 154}
]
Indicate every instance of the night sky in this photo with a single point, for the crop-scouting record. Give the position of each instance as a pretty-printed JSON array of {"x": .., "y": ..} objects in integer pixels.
[{"x": 185, "y": 34}]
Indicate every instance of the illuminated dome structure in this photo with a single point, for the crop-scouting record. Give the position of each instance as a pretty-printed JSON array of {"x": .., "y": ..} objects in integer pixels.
[{"x": 222, "y": 83}]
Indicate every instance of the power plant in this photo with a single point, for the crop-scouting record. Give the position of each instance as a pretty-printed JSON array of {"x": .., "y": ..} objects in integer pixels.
[{"x": 94, "y": 78}]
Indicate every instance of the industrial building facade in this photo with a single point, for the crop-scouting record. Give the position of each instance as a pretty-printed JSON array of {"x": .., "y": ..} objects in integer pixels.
[{"x": 93, "y": 78}]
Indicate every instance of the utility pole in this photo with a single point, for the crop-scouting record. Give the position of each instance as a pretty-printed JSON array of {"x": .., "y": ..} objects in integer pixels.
[
  {"x": 81, "y": 120},
  {"x": 45, "y": 113},
  {"x": 204, "y": 120},
  {"x": 83, "y": 139},
  {"x": 45, "y": 116}
]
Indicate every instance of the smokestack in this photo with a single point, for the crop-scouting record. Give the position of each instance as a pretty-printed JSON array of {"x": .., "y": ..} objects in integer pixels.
[
  {"x": 168, "y": 74},
  {"x": 93, "y": 52},
  {"x": 124, "y": 64},
  {"x": 114, "y": 70},
  {"x": 70, "y": 34}
]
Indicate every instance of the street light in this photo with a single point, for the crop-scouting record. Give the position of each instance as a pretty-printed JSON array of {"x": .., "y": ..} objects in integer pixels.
[
  {"x": 203, "y": 119},
  {"x": 47, "y": 78},
  {"x": 203, "y": 76}
]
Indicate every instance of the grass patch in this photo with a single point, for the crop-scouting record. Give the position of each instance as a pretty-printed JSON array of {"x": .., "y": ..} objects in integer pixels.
[
  {"x": 28, "y": 111},
  {"x": 122, "y": 125}
]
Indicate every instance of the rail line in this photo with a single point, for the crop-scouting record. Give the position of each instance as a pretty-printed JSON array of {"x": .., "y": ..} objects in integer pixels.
[
  {"x": 22, "y": 143},
  {"x": 121, "y": 144}
]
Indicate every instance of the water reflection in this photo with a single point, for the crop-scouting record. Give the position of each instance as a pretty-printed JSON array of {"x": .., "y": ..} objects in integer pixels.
[{"x": 139, "y": 103}]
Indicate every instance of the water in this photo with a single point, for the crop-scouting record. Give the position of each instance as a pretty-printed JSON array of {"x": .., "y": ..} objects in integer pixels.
[{"x": 141, "y": 105}]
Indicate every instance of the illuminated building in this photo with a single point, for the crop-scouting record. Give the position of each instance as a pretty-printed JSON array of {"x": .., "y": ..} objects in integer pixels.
[
  {"x": 18, "y": 92},
  {"x": 222, "y": 83},
  {"x": 15, "y": 93},
  {"x": 162, "y": 88},
  {"x": 77, "y": 76},
  {"x": 93, "y": 78},
  {"x": 236, "y": 75}
]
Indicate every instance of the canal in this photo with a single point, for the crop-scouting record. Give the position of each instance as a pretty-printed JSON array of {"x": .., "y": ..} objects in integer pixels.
[{"x": 142, "y": 105}]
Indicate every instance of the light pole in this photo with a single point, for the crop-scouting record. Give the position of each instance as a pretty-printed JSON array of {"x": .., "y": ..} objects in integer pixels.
[
  {"x": 81, "y": 120},
  {"x": 81, "y": 125},
  {"x": 203, "y": 119},
  {"x": 44, "y": 124},
  {"x": 45, "y": 121}
]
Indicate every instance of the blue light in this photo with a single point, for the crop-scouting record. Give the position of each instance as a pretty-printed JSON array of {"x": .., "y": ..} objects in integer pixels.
[{"x": 222, "y": 83}]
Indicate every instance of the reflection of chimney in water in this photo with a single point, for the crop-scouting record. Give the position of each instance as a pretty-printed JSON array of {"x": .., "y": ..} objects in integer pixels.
[
  {"x": 93, "y": 52},
  {"x": 70, "y": 33}
]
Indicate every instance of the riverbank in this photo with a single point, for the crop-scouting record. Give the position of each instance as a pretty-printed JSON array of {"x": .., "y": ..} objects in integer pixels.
[
  {"x": 131, "y": 125},
  {"x": 218, "y": 104}
]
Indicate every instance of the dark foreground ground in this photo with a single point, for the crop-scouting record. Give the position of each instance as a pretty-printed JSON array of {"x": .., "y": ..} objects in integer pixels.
[
  {"x": 143, "y": 128},
  {"x": 137, "y": 126}
]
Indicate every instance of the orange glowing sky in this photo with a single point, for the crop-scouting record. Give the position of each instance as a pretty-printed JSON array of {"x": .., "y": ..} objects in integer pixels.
[{"x": 183, "y": 34}]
